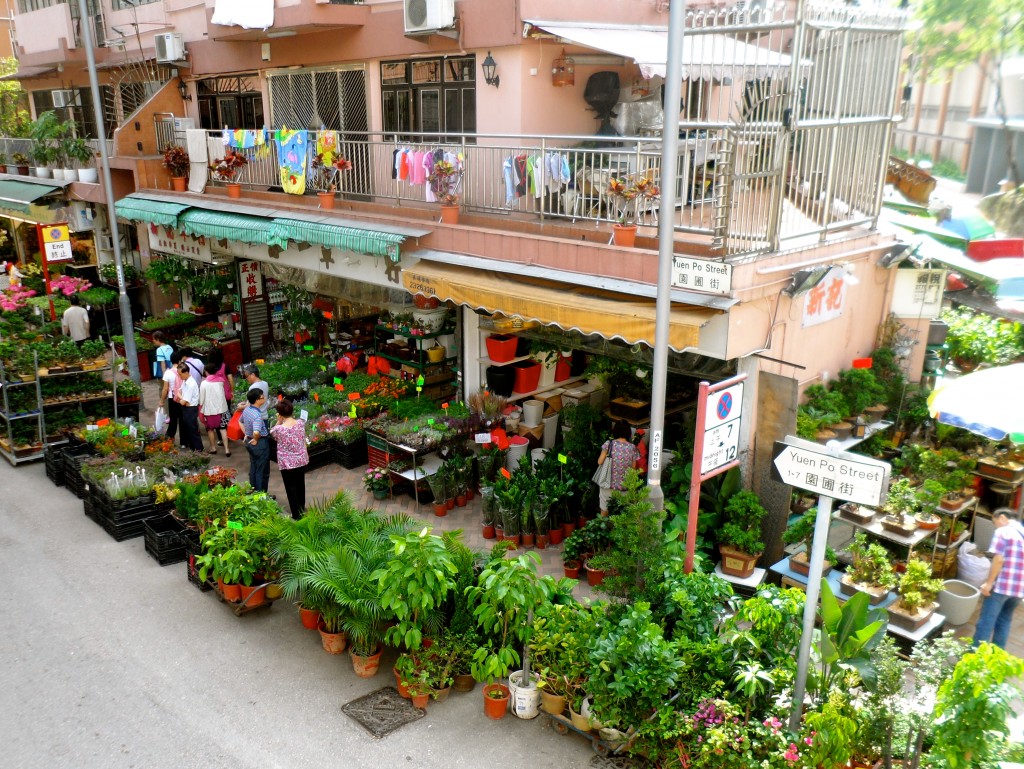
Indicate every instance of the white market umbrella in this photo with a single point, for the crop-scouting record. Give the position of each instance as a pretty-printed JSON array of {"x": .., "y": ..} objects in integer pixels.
[{"x": 989, "y": 402}]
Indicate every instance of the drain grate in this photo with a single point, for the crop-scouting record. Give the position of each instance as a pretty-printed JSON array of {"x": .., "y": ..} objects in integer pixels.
[
  {"x": 382, "y": 711},
  {"x": 616, "y": 762}
]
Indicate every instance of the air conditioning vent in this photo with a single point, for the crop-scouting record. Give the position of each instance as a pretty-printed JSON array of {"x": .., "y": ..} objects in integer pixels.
[
  {"x": 63, "y": 99},
  {"x": 169, "y": 47},
  {"x": 428, "y": 15},
  {"x": 104, "y": 242}
]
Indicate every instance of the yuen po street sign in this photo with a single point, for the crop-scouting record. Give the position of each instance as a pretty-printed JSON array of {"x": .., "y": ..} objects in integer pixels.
[{"x": 837, "y": 474}]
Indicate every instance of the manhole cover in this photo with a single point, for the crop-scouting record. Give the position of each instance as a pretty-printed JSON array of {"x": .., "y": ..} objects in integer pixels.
[
  {"x": 616, "y": 762},
  {"x": 382, "y": 711}
]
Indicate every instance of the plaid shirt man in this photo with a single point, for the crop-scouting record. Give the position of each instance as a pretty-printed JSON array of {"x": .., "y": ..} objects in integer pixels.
[
  {"x": 1008, "y": 541},
  {"x": 253, "y": 421}
]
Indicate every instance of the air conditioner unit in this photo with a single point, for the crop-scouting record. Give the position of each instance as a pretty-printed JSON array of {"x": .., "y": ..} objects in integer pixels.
[
  {"x": 169, "y": 47},
  {"x": 428, "y": 15},
  {"x": 63, "y": 99},
  {"x": 105, "y": 242},
  {"x": 184, "y": 123}
]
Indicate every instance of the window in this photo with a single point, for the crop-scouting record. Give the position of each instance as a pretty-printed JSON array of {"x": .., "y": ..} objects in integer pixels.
[
  {"x": 235, "y": 102},
  {"x": 429, "y": 96},
  {"x": 122, "y": 5},
  {"x": 78, "y": 109}
]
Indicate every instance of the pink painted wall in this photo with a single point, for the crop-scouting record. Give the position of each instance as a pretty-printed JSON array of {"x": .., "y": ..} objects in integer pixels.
[{"x": 45, "y": 29}]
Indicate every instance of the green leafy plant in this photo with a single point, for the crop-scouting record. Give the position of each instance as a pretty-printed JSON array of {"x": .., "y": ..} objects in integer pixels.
[
  {"x": 801, "y": 531},
  {"x": 871, "y": 564},
  {"x": 860, "y": 388},
  {"x": 848, "y": 635},
  {"x": 902, "y": 501},
  {"x": 917, "y": 587},
  {"x": 742, "y": 530}
]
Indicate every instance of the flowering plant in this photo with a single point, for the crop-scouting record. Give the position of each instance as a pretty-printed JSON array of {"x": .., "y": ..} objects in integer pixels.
[
  {"x": 15, "y": 298},
  {"x": 67, "y": 285},
  {"x": 376, "y": 479},
  {"x": 225, "y": 169},
  {"x": 176, "y": 160},
  {"x": 630, "y": 191},
  {"x": 444, "y": 181},
  {"x": 325, "y": 174}
]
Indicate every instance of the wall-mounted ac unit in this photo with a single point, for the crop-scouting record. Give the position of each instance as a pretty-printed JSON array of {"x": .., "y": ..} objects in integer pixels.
[
  {"x": 427, "y": 15},
  {"x": 63, "y": 99},
  {"x": 169, "y": 47},
  {"x": 184, "y": 123},
  {"x": 105, "y": 242}
]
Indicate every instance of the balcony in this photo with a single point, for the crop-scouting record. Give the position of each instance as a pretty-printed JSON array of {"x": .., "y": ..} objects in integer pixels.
[
  {"x": 53, "y": 35},
  {"x": 295, "y": 17}
]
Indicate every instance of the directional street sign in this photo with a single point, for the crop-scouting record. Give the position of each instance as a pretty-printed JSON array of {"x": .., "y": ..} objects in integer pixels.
[
  {"x": 721, "y": 428},
  {"x": 840, "y": 474}
]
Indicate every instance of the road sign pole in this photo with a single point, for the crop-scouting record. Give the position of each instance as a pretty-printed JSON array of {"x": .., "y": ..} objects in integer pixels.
[
  {"x": 816, "y": 562},
  {"x": 46, "y": 270},
  {"x": 695, "y": 476}
]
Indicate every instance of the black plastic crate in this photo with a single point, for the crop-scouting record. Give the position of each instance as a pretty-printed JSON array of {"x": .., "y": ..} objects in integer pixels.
[
  {"x": 192, "y": 549},
  {"x": 73, "y": 458},
  {"x": 320, "y": 456},
  {"x": 164, "y": 533},
  {"x": 351, "y": 455}
]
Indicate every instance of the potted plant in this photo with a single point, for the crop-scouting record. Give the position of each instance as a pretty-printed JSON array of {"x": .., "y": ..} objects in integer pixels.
[
  {"x": 444, "y": 180},
  {"x": 177, "y": 163},
  {"x": 901, "y": 505},
  {"x": 21, "y": 161},
  {"x": 44, "y": 134},
  {"x": 801, "y": 531},
  {"x": 918, "y": 591},
  {"x": 227, "y": 168},
  {"x": 871, "y": 572},
  {"x": 740, "y": 539},
  {"x": 629, "y": 193},
  {"x": 378, "y": 481},
  {"x": 79, "y": 151},
  {"x": 860, "y": 389},
  {"x": 326, "y": 173}
]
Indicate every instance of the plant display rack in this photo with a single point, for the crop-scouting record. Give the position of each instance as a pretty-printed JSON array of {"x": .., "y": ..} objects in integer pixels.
[{"x": 10, "y": 453}]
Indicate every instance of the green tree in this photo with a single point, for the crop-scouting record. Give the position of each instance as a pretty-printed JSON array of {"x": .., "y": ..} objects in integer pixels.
[
  {"x": 14, "y": 114},
  {"x": 957, "y": 33}
]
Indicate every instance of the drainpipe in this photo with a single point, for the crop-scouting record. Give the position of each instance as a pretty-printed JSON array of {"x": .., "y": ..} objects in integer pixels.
[{"x": 127, "y": 327}]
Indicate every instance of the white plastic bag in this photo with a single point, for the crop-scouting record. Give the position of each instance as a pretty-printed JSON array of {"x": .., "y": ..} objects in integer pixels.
[
  {"x": 160, "y": 423},
  {"x": 971, "y": 568}
]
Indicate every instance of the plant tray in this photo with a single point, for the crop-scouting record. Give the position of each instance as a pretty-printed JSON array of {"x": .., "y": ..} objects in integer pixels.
[
  {"x": 164, "y": 538},
  {"x": 629, "y": 409},
  {"x": 192, "y": 549},
  {"x": 876, "y": 594},
  {"x": 1011, "y": 474},
  {"x": 911, "y": 622},
  {"x": 898, "y": 528},
  {"x": 861, "y": 515}
]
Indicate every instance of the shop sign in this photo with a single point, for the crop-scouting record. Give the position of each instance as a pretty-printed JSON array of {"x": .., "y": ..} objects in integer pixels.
[
  {"x": 918, "y": 293},
  {"x": 56, "y": 243},
  {"x": 705, "y": 275},
  {"x": 835, "y": 474},
  {"x": 252, "y": 281},
  {"x": 721, "y": 428},
  {"x": 826, "y": 300},
  {"x": 169, "y": 241}
]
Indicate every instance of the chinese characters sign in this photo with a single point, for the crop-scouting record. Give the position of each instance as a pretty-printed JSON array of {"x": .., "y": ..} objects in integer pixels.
[
  {"x": 701, "y": 275},
  {"x": 825, "y": 301},
  {"x": 840, "y": 474},
  {"x": 56, "y": 243},
  {"x": 252, "y": 281},
  {"x": 169, "y": 241},
  {"x": 918, "y": 293}
]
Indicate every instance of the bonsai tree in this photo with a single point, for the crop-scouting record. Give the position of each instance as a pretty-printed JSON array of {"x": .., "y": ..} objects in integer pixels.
[
  {"x": 902, "y": 502},
  {"x": 801, "y": 531},
  {"x": 742, "y": 530},
  {"x": 871, "y": 564},
  {"x": 917, "y": 588},
  {"x": 860, "y": 388},
  {"x": 828, "y": 405}
]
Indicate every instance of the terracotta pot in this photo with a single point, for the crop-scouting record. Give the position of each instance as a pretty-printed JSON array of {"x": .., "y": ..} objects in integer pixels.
[
  {"x": 326, "y": 200},
  {"x": 572, "y": 570},
  {"x": 464, "y": 683},
  {"x": 231, "y": 593},
  {"x": 594, "y": 576},
  {"x": 581, "y": 521},
  {"x": 542, "y": 541},
  {"x": 310, "y": 618},
  {"x": 555, "y": 535},
  {"x": 234, "y": 190},
  {"x": 470, "y": 494},
  {"x": 736, "y": 563},
  {"x": 253, "y": 596},
  {"x": 515, "y": 539},
  {"x": 496, "y": 701},
  {"x": 440, "y": 509},
  {"x": 366, "y": 667},
  {"x": 333, "y": 643},
  {"x": 460, "y": 500},
  {"x": 529, "y": 540},
  {"x": 403, "y": 687},
  {"x": 568, "y": 528},
  {"x": 179, "y": 183},
  {"x": 420, "y": 700},
  {"x": 624, "y": 235},
  {"x": 552, "y": 703},
  {"x": 450, "y": 503},
  {"x": 450, "y": 214},
  {"x": 440, "y": 695}
]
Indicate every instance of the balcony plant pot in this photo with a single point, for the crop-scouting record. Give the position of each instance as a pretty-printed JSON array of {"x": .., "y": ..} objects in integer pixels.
[
  {"x": 875, "y": 413},
  {"x": 41, "y": 172},
  {"x": 957, "y": 601},
  {"x": 333, "y": 643},
  {"x": 501, "y": 348},
  {"x": 449, "y": 214},
  {"x": 22, "y": 170},
  {"x": 901, "y": 618},
  {"x": 624, "y": 235},
  {"x": 527, "y": 376},
  {"x": 89, "y": 175},
  {"x": 326, "y": 200},
  {"x": 927, "y": 521},
  {"x": 736, "y": 563},
  {"x": 366, "y": 666},
  {"x": 898, "y": 526},
  {"x": 234, "y": 189},
  {"x": 496, "y": 698},
  {"x": 501, "y": 380},
  {"x": 843, "y": 430},
  {"x": 179, "y": 183},
  {"x": 11, "y": 169}
]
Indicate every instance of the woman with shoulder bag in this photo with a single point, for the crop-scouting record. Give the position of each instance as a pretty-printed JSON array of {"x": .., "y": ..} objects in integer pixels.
[{"x": 618, "y": 455}]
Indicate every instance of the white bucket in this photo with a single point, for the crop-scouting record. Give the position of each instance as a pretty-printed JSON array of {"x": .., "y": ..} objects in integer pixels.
[
  {"x": 536, "y": 455},
  {"x": 524, "y": 701},
  {"x": 550, "y": 431},
  {"x": 517, "y": 448},
  {"x": 547, "y": 375},
  {"x": 957, "y": 601},
  {"x": 533, "y": 411}
]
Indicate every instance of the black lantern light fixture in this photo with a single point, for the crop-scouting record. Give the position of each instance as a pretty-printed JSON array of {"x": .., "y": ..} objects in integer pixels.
[
  {"x": 183, "y": 90},
  {"x": 490, "y": 67}
]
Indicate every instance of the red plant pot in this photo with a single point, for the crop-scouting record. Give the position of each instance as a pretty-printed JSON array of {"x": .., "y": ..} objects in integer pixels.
[
  {"x": 555, "y": 535},
  {"x": 527, "y": 376},
  {"x": 563, "y": 368},
  {"x": 501, "y": 348},
  {"x": 488, "y": 532}
]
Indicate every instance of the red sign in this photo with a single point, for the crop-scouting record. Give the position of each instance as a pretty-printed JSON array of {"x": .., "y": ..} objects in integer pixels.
[{"x": 252, "y": 281}]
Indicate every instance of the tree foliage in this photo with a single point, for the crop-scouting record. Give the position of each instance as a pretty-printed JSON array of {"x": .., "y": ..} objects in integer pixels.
[{"x": 14, "y": 115}]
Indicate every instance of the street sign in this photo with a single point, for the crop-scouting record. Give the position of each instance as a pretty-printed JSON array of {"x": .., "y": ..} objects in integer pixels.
[
  {"x": 721, "y": 428},
  {"x": 839, "y": 475},
  {"x": 706, "y": 275},
  {"x": 57, "y": 243}
]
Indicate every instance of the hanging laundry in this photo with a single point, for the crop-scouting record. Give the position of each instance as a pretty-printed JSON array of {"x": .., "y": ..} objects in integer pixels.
[
  {"x": 519, "y": 166},
  {"x": 327, "y": 146},
  {"x": 508, "y": 174},
  {"x": 262, "y": 144},
  {"x": 418, "y": 174},
  {"x": 428, "y": 169},
  {"x": 291, "y": 154}
]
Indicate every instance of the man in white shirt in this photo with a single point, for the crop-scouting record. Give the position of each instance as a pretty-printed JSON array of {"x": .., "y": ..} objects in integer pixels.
[
  {"x": 169, "y": 395},
  {"x": 188, "y": 399},
  {"x": 75, "y": 322}
]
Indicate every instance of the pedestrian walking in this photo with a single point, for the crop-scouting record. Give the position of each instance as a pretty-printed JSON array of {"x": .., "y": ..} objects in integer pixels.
[
  {"x": 1004, "y": 587},
  {"x": 257, "y": 440},
  {"x": 195, "y": 365},
  {"x": 188, "y": 399},
  {"x": 214, "y": 410},
  {"x": 292, "y": 456},
  {"x": 253, "y": 382},
  {"x": 621, "y": 455},
  {"x": 163, "y": 353},
  {"x": 75, "y": 320},
  {"x": 169, "y": 395}
]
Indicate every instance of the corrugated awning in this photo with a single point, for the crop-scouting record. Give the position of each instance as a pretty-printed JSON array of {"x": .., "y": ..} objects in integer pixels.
[
  {"x": 27, "y": 73},
  {"x": 572, "y": 308},
  {"x": 157, "y": 212},
  {"x": 706, "y": 56},
  {"x": 219, "y": 225},
  {"x": 17, "y": 196},
  {"x": 335, "y": 236}
]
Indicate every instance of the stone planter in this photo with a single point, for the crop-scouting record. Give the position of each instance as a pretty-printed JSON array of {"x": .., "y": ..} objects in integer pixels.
[{"x": 957, "y": 601}]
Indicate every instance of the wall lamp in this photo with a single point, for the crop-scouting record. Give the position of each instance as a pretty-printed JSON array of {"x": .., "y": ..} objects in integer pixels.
[
  {"x": 490, "y": 67},
  {"x": 183, "y": 90}
]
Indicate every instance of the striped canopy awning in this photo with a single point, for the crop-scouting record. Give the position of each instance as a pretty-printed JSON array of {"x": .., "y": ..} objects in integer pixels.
[
  {"x": 239, "y": 227},
  {"x": 159, "y": 212},
  {"x": 361, "y": 241}
]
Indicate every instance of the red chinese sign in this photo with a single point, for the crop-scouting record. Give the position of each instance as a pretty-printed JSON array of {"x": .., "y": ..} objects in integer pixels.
[
  {"x": 825, "y": 301},
  {"x": 252, "y": 281}
]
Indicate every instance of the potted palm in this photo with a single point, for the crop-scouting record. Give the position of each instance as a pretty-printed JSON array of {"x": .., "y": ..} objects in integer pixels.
[
  {"x": 444, "y": 180},
  {"x": 630, "y": 192},
  {"x": 177, "y": 163},
  {"x": 227, "y": 168}
]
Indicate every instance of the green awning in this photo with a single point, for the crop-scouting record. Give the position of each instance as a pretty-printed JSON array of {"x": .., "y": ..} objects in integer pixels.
[
  {"x": 372, "y": 242},
  {"x": 157, "y": 212},
  {"x": 17, "y": 196},
  {"x": 220, "y": 225}
]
